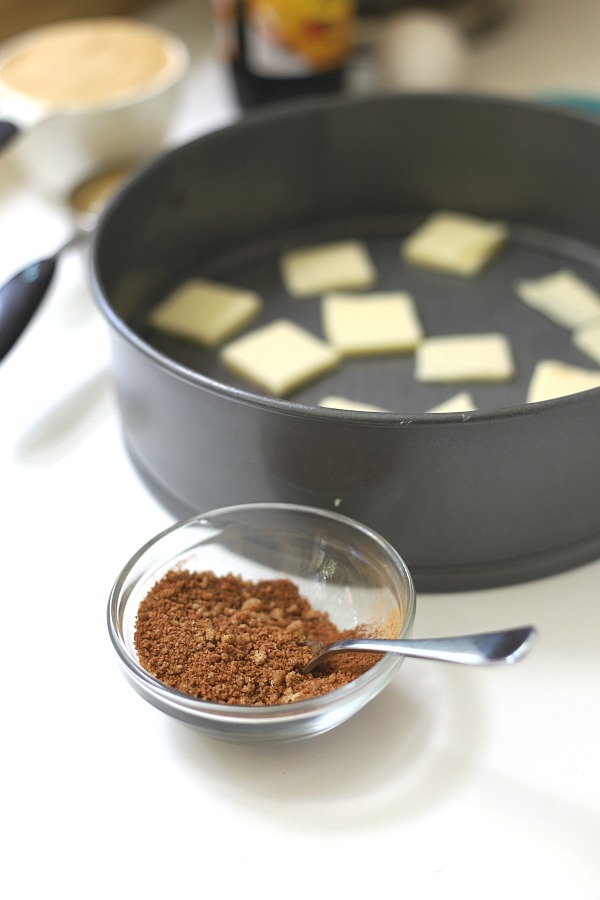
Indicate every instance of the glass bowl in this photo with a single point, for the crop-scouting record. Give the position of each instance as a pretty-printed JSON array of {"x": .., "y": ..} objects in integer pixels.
[{"x": 340, "y": 567}]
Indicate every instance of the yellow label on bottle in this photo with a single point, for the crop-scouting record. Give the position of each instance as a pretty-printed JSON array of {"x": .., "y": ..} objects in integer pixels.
[{"x": 294, "y": 38}]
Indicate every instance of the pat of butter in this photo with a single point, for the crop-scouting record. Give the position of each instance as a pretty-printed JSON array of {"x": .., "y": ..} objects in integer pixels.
[
  {"x": 461, "y": 402},
  {"x": 334, "y": 402},
  {"x": 587, "y": 339},
  {"x": 206, "y": 311},
  {"x": 385, "y": 322},
  {"x": 552, "y": 378},
  {"x": 454, "y": 242},
  {"x": 563, "y": 297},
  {"x": 279, "y": 357},
  {"x": 464, "y": 357},
  {"x": 327, "y": 267}
]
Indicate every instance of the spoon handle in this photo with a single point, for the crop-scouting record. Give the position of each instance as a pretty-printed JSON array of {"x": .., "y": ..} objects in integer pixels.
[{"x": 470, "y": 649}]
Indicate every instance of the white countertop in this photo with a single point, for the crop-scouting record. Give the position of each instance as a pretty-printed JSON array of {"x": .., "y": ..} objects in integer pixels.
[{"x": 452, "y": 783}]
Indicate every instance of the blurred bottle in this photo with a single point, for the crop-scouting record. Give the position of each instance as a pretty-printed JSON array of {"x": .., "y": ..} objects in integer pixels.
[{"x": 281, "y": 49}]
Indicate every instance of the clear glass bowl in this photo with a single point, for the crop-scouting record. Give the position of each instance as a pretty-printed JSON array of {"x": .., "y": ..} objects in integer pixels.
[{"x": 340, "y": 566}]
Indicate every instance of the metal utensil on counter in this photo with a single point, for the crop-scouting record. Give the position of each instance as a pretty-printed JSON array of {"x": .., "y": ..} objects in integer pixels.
[
  {"x": 22, "y": 294},
  {"x": 470, "y": 649}
]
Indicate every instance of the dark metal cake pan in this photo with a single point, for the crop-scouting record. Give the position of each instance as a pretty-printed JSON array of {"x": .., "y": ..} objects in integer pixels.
[{"x": 506, "y": 493}]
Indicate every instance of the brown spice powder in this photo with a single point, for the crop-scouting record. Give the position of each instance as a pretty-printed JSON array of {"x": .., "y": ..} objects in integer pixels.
[{"x": 226, "y": 640}]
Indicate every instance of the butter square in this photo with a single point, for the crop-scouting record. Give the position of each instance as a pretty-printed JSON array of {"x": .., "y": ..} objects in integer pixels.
[
  {"x": 454, "y": 242},
  {"x": 563, "y": 297},
  {"x": 464, "y": 357},
  {"x": 553, "y": 378},
  {"x": 333, "y": 401},
  {"x": 461, "y": 402},
  {"x": 587, "y": 339},
  {"x": 279, "y": 357},
  {"x": 205, "y": 311},
  {"x": 327, "y": 267},
  {"x": 384, "y": 322}
]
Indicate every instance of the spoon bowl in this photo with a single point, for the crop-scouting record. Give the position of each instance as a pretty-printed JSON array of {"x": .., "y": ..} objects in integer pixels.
[{"x": 22, "y": 294}]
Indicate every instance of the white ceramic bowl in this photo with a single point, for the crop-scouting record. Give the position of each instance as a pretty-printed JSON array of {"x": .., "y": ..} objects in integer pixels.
[
  {"x": 59, "y": 143},
  {"x": 340, "y": 566}
]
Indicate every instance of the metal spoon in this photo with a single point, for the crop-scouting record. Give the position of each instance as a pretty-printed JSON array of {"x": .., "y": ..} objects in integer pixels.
[
  {"x": 469, "y": 649},
  {"x": 22, "y": 294}
]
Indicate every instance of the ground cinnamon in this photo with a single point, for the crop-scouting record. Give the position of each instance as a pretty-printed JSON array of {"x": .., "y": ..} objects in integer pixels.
[{"x": 227, "y": 640}]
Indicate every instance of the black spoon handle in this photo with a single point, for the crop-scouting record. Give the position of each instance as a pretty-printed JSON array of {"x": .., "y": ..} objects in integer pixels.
[
  {"x": 8, "y": 131},
  {"x": 20, "y": 298}
]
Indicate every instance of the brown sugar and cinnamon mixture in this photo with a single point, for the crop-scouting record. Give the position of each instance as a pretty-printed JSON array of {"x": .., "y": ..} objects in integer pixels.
[{"x": 226, "y": 640}]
